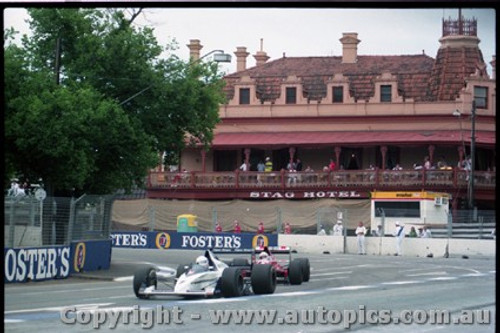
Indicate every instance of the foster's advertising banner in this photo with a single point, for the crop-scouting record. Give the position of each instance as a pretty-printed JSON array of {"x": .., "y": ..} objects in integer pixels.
[{"x": 192, "y": 240}]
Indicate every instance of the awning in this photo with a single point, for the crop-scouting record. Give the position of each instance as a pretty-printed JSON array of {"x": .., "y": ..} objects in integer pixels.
[{"x": 266, "y": 139}]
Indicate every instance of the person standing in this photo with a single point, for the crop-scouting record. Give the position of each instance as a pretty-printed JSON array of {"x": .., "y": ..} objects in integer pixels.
[
  {"x": 218, "y": 228},
  {"x": 399, "y": 234},
  {"x": 260, "y": 229},
  {"x": 338, "y": 228},
  {"x": 269, "y": 165},
  {"x": 360, "y": 235},
  {"x": 237, "y": 227},
  {"x": 426, "y": 233},
  {"x": 288, "y": 228}
]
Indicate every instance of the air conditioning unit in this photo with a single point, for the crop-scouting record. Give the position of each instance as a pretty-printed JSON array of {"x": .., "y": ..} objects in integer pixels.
[{"x": 438, "y": 201}]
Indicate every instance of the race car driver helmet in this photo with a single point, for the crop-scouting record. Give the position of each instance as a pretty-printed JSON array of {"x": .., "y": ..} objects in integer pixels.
[
  {"x": 202, "y": 261},
  {"x": 263, "y": 255}
]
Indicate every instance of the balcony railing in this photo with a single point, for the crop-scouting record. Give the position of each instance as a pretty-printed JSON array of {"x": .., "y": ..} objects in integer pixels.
[{"x": 282, "y": 180}]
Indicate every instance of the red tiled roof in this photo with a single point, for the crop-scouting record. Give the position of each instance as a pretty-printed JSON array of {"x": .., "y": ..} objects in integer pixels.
[
  {"x": 227, "y": 140},
  {"x": 419, "y": 77},
  {"x": 413, "y": 73}
]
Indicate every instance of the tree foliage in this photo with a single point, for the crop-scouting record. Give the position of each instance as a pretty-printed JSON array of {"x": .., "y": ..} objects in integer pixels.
[{"x": 90, "y": 101}]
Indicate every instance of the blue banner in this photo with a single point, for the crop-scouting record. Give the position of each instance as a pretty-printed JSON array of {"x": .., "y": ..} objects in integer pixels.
[
  {"x": 192, "y": 240},
  {"x": 35, "y": 264},
  {"x": 55, "y": 262},
  {"x": 90, "y": 255}
]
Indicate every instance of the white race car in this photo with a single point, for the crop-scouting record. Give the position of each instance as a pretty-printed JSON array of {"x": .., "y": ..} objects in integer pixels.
[{"x": 211, "y": 278}]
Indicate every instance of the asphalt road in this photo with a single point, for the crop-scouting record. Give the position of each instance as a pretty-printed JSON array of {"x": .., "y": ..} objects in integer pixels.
[{"x": 364, "y": 293}]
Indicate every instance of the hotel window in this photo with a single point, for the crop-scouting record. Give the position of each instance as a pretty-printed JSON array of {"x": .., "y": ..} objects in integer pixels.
[
  {"x": 244, "y": 95},
  {"x": 291, "y": 95},
  {"x": 385, "y": 93},
  {"x": 338, "y": 95},
  {"x": 481, "y": 97}
]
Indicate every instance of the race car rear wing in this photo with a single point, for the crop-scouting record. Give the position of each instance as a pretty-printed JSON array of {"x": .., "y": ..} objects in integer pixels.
[{"x": 273, "y": 249}]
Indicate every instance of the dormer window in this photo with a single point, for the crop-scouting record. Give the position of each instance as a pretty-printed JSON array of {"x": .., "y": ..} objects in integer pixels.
[
  {"x": 291, "y": 95},
  {"x": 244, "y": 95},
  {"x": 481, "y": 97},
  {"x": 386, "y": 93},
  {"x": 338, "y": 95}
]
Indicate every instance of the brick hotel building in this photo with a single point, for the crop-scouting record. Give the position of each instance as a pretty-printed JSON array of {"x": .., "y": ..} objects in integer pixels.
[{"x": 367, "y": 113}]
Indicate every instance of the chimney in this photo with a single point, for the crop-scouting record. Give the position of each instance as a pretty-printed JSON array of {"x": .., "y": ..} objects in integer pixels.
[
  {"x": 241, "y": 58},
  {"x": 493, "y": 64},
  {"x": 261, "y": 57},
  {"x": 350, "y": 43},
  {"x": 194, "y": 49}
]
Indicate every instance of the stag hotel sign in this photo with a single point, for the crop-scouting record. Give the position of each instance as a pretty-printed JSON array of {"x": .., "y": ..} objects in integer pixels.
[{"x": 308, "y": 195}]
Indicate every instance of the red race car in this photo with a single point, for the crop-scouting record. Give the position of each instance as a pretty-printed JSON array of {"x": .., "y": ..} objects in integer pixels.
[{"x": 288, "y": 269}]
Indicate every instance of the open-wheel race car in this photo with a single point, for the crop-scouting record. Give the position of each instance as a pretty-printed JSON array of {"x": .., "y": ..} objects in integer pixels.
[
  {"x": 206, "y": 277},
  {"x": 288, "y": 269}
]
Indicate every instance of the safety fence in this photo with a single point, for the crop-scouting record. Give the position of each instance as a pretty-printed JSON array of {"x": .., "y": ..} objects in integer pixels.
[
  {"x": 31, "y": 221},
  {"x": 303, "y": 216}
]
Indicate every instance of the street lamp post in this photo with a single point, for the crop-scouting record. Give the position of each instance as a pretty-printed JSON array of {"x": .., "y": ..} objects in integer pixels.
[{"x": 472, "y": 155}]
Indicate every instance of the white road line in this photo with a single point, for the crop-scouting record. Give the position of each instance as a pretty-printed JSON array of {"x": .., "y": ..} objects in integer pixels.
[
  {"x": 333, "y": 278},
  {"x": 332, "y": 273},
  {"x": 443, "y": 278},
  {"x": 13, "y": 321},
  {"x": 59, "y": 308},
  {"x": 214, "y": 300},
  {"x": 429, "y": 273},
  {"x": 295, "y": 293},
  {"x": 123, "y": 278},
  {"x": 402, "y": 282},
  {"x": 353, "y": 287}
]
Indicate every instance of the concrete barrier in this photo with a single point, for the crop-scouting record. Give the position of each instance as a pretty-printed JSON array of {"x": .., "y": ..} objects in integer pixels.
[{"x": 414, "y": 247}]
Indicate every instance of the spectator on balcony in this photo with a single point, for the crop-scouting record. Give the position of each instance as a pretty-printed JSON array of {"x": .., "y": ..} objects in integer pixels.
[
  {"x": 218, "y": 228},
  {"x": 332, "y": 166},
  {"x": 260, "y": 228},
  {"x": 417, "y": 166},
  {"x": 288, "y": 228},
  {"x": 291, "y": 166},
  {"x": 261, "y": 167},
  {"x": 353, "y": 163},
  {"x": 243, "y": 167},
  {"x": 413, "y": 233},
  {"x": 298, "y": 165},
  {"x": 269, "y": 165},
  {"x": 237, "y": 227},
  {"x": 397, "y": 167},
  {"x": 427, "y": 163}
]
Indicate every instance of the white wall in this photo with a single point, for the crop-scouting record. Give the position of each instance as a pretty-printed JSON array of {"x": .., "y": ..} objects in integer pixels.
[{"x": 413, "y": 247}]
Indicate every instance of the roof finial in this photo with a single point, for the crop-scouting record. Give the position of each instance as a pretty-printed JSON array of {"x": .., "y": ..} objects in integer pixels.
[{"x": 262, "y": 44}]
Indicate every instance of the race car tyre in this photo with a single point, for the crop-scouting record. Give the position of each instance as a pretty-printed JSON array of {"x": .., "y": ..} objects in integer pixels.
[
  {"x": 306, "y": 269},
  {"x": 232, "y": 284},
  {"x": 295, "y": 274},
  {"x": 182, "y": 268},
  {"x": 263, "y": 279},
  {"x": 144, "y": 277},
  {"x": 239, "y": 262}
]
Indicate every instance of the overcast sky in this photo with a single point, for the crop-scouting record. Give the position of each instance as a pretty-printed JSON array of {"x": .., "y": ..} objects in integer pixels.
[{"x": 303, "y": 31}]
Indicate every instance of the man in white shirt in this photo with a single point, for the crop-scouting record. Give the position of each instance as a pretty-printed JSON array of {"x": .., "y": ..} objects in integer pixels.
[
  {"x": 426, "y": 233},
  {"x": 338, "y": 229},
  {"x": 399, "y": 234},
  {"x": 360, "y": 234}
]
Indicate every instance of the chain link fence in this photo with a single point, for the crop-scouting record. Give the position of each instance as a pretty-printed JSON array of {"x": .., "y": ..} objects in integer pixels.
[{"x": 30, "y": 222}]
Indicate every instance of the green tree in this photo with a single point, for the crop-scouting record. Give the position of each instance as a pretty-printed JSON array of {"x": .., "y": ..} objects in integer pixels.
[{"x": 90, "y": 102}]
